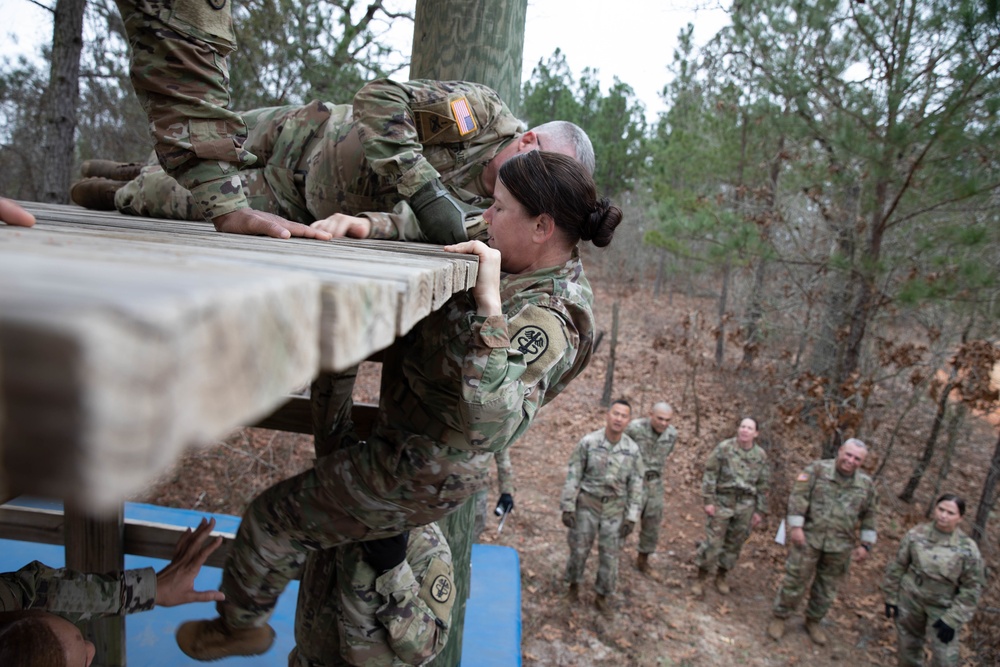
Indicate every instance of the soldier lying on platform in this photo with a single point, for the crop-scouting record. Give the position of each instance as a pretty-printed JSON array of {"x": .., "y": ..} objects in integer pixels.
[
  {"x": 464, "y": 384},
  {"x": 39, "y": 605},
  {"x": 421, "y": 154}
]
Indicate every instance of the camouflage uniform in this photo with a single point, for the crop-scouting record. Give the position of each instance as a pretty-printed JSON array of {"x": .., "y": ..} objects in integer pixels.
[
  {"x": 736, "y": 482},
  {"x": 77, "y": 596},
  {"x": 603, "y": 487},
  {"x": 180, "y": 73},
  {"x": 655, "y": 448},
  {"x": 455, "y": 391},
  {"x": 505, "y": 480},
  {"x": 935, "y": 576},
  {"x": 320, "y": 159},
  {"x": 401, "y": 617},
  {"x": 828, "y": 506}
]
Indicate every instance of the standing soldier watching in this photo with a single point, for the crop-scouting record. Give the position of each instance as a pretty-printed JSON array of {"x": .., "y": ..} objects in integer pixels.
[
  {"x": 933, "y": 586},
  {"x": 655, "y": 437},
  {"x": 734, "y": 487},
  {"x": 601, "y": 497},
  {"x": 828, "y": 501}
]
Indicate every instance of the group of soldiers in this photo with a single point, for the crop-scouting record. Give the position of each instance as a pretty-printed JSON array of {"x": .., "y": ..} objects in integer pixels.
[{"x": 614, "y": 481}]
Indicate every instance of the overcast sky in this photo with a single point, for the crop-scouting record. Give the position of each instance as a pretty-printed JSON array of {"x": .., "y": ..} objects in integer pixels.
[{"x": 631, "y": 39}]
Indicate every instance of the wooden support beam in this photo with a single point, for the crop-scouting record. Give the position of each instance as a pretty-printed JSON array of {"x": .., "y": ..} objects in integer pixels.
[{"x": 295, "y": 416}]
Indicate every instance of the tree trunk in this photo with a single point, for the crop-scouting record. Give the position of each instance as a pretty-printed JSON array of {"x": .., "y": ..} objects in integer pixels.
[
  {"x": 954, "y": 424},
  {"x": 468, "y": 40},
  {"x": 988, "y": 496},
  {"x": 720, "y": 335},
  {"x": 609, "y": 377},
  {"x": 661, "y": 259},
  {"x": 925, "y": 460},
  {"x": 58, "y": 149}
]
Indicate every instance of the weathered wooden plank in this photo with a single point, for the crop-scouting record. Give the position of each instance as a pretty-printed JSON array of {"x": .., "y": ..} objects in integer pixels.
[{"x": 110, "y": 369}]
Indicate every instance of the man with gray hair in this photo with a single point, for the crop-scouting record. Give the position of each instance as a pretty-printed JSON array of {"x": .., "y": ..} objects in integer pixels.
[
  {"x": 829, "y": 500},
  {"x": 656, "y": 437}
]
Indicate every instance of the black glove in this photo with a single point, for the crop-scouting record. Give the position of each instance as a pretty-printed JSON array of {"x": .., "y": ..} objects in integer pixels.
[
  {"x": 386, "y": 553},
  {"x": 891, "y": 610},
  {"x": 944, "y": 631},
  {"x": 441, "y": 216},
  {"x": 626, "y": 528},
  {"x": 569, "y": 519},
  {"x": 505, "y": 504}
]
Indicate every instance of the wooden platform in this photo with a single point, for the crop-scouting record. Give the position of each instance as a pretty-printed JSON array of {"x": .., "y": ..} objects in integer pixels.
[{"x": 125, "y": 340}]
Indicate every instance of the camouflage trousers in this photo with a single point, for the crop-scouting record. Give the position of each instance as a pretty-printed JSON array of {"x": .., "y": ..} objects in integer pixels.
[
  {"x": 602, "y": 520},
  {"x": 317, "y": 614},
  {"x": 829, "y": 568},
  {"x": 913, "y": 627},
  {"x": 725, "y": 534},
  {"x": 652, "y": 515}
]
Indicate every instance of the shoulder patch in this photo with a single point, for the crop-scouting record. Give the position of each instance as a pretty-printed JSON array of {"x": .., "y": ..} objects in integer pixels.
[
  {"x": 438, "y": 589},
  {"x": 803, "y": 477},
  {"x": 538, "y": 334}
]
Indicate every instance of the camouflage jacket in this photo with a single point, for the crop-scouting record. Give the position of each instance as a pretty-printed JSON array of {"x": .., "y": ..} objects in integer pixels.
[
  {"x": 77, "y": 596},
  {"x": 505, "y": 472},
  {"x": 655, "y": 447},
  {"x": 829, "y": 507},
  {"x": 322, "y": 158},
  {"x": 937, "y": 569},
  {"x": 737, "y": 472},
  {"x": 604, "y": 469},
  {"x": 403, "y": 616}
]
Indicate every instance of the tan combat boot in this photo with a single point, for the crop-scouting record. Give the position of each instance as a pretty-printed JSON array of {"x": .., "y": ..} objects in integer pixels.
[
  {"x": 211, "y": 640},
  {"x": 776, "y": 628},
  {"x": 698, "y": 587},
  {"x": 574, "y": 592},
  {"x": 97, "y": 194},
  {"x": 720, "y": 583},
  {"x": 603, "y": 604},
  {"x": 642, "y": 562},
  {"x": 816, "y": 633},
  {"x": 116, "y": 171}
]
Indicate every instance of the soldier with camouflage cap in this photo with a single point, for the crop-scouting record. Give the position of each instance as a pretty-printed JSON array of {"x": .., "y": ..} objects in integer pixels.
[
  {"x": 389, "y": 599},
  {"x": 601, "y": 498},
  {"x": 829, "y": 499},
  {"x": 734, "y": 489},
  {"x": 656, "y": 438},
  {"x": 464, "y": 384},
  {"x": 933, "y": 586},
  {"x": 44, "y": 603},
  {"x": 329, "y": 163}
]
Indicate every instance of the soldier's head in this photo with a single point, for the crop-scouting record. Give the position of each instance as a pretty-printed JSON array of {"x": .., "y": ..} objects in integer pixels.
[
  {"x": 557, "y": 136},
  {"x": 617, "y": 419},
  {"x": 36, "y": 638},
  {"x": 948, "y": 512},
  {"x": 660, "y": 416},
  {"x": 746, "y": 432},
  {"x": 850, "y": 456}
]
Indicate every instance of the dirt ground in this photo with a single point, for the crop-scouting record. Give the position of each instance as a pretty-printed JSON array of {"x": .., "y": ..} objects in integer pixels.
[{"x": 656, "y": 621}]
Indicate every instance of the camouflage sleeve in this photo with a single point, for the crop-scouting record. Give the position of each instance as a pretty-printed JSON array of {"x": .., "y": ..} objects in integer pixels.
[
  {"x": 635, "y": 486},
  {"x": 415, "y": 632},
  {"x": 505, "y": 472},
  {"x": 505, "y": 378},
  {"x": 895, "y": 570},
  {"x": 970, "y": 588},
  {"x": 800, "y": 497},
  {"x": 869, "y": 534},
  {"x": 571, "y": 489},
  {"x": 180, "y": 73},
  {"x": 763, "y": 487},
  {"x": 710, "y": 477},
  {"x": 402, "y": 224},
  {"x": 75, "y": 595}
]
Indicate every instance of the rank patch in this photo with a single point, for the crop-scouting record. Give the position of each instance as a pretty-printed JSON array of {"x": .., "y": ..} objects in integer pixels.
[{"x": 463, "y": 116}]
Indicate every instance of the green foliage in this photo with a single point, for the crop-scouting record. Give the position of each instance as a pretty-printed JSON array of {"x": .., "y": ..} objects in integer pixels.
[{"x": 614, "y": 121}]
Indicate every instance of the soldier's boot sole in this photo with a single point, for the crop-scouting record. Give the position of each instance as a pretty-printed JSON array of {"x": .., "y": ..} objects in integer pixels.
[
  {"x": 97, "y": 194},
  {"x": 722, "y": 585},
  {"x": 776, "y": 628},
  {"x": 642, "y": 562},
  {"x": 574, "y": 592},
  {"x": 816, "y": 633},
  {"x": 212, "y": 640},
  {"x": 116, "y": 171}
]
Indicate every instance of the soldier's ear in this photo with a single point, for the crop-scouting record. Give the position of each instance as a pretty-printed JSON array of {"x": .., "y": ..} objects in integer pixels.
[
  {"x": 527, "y": 142},
  {"x": 545, "y": 227}
]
